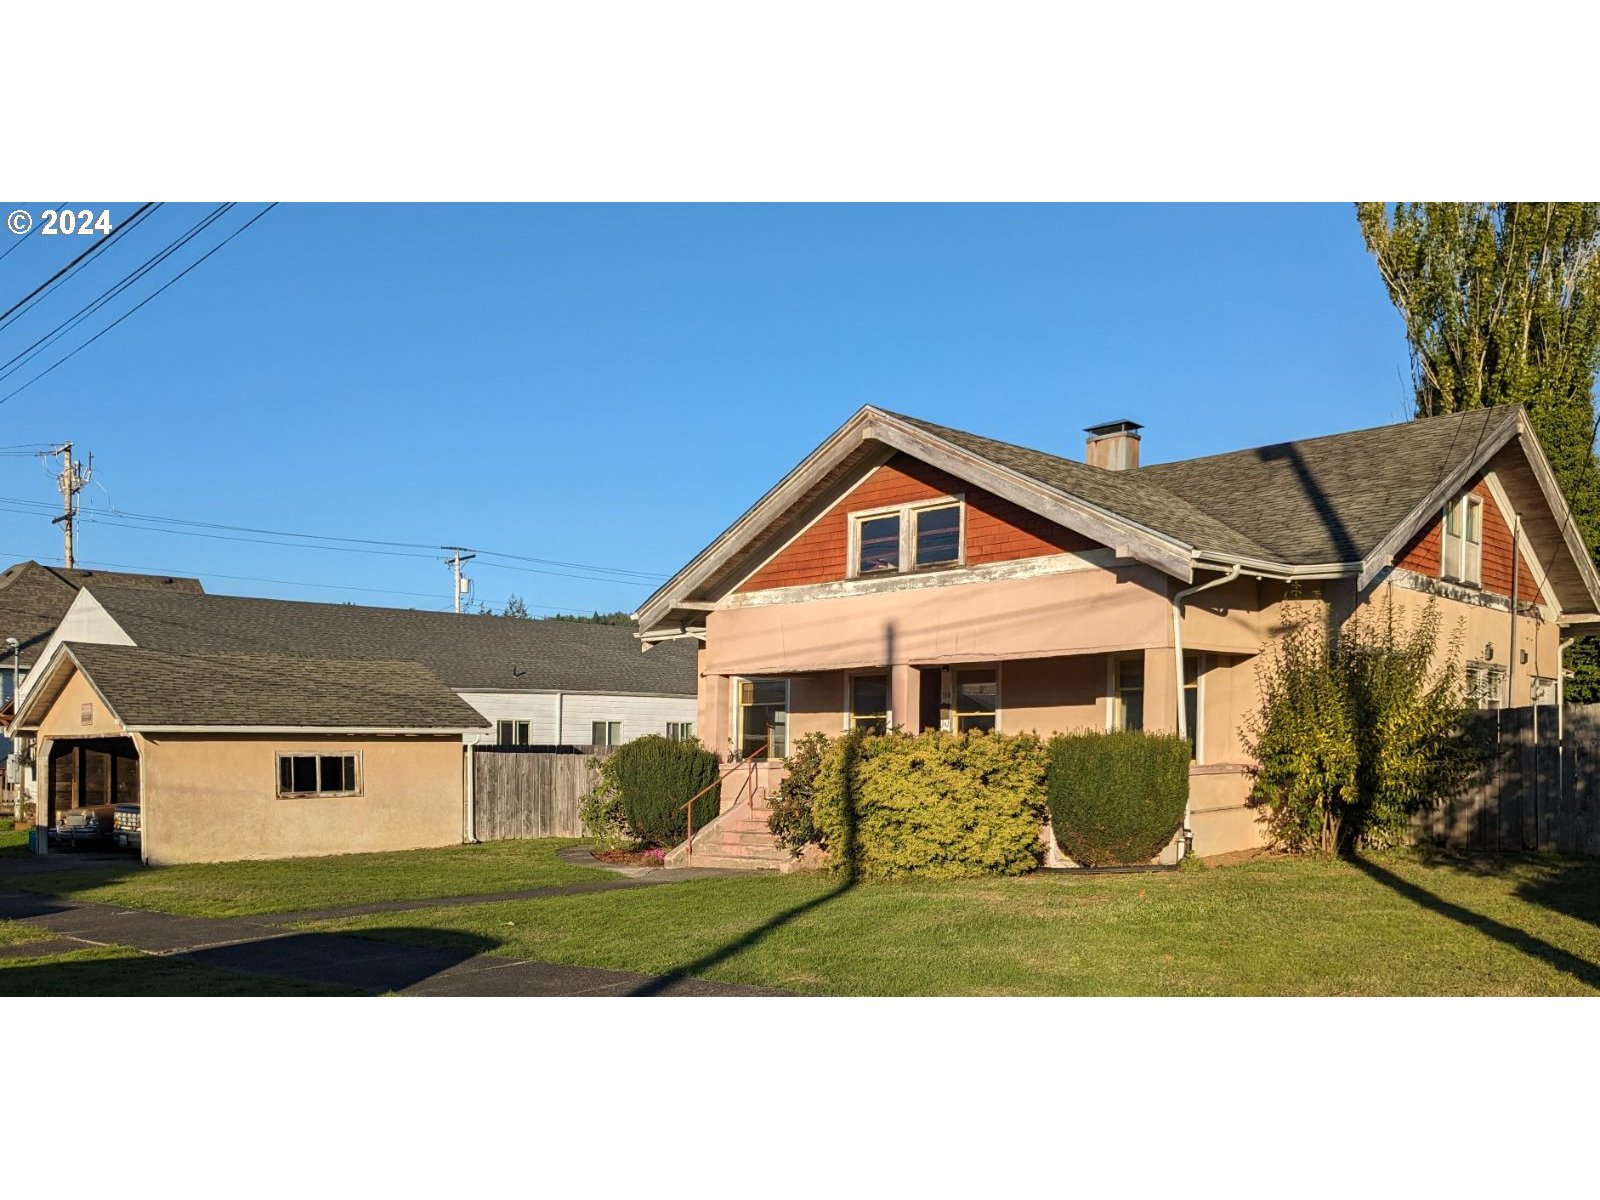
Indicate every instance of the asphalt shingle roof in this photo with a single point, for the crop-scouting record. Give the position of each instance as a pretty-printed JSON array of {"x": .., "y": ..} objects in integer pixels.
[
  {"x": 34, "y": 598},
  {"x": 1319, "y": 500},
  {"x": 465, "y": 652},
  {"x": 161, "y": 688}
]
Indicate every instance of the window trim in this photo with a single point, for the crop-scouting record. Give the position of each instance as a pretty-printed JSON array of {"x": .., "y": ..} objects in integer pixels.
[
  {"x": 277, "y": 775},
  {"x": 608, "y": 743},
  {"x": 907, "y": 513}
]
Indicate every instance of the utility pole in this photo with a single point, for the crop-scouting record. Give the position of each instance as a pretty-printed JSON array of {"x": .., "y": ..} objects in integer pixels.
[
  {"x": 73, "y": 479},
  {"x": 458, "y": 556}
]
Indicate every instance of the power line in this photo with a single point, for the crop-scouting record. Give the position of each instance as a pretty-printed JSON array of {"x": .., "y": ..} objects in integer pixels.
[
  {"x": 72, "y": 354},
  {"x": 90, "y": 515},
  {"x": 96, "y": 247},
  {"x": 51, "y": 337},
  {"x": 33, "y": 230}
]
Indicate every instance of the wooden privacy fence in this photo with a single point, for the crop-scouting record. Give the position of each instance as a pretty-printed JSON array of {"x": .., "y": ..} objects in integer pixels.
[
  {"x": 531, "y": 791},
  {"x": 1535, "y": 793}
]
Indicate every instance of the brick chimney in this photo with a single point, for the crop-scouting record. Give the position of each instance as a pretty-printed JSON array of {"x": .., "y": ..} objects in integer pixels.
[{"x": 1114, "y": 445}]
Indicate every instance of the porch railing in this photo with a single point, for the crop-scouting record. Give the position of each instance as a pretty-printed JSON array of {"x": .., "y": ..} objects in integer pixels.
[{"x": 751, "y": 761}]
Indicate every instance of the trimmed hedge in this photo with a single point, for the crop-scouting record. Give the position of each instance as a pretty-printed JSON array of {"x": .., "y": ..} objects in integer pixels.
[
  {"x": 652, "y": 779},
  {"x": 937, "y": 805},
  {"x": 1116, "y": 799}
]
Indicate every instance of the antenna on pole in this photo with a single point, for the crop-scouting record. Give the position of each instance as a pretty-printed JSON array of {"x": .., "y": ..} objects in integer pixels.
[
  {"x": 73, "y": 479},
  {"x": 459, "y": 555}
]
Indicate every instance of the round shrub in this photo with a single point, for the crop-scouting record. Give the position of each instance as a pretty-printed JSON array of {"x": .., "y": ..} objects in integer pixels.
[
  {"x": 936, "y": 805},
  {"x": 1116, "y": 799},
  {"x": 652, "y": 778}
]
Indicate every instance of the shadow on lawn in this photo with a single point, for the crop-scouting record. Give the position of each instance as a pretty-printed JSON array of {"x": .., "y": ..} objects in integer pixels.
[
  {"x": 1571, "y": 888},
  {"x": 848, "y": 858},
  {"x": 1581, "y": 969}
]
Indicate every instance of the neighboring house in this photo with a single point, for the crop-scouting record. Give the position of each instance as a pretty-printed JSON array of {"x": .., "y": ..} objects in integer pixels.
[
  {"x": 912, "y": 575},
  {"x": 539, "y": 682},
  {"x": 211, "y": 708},
  {"x": 33, "y": 599}
]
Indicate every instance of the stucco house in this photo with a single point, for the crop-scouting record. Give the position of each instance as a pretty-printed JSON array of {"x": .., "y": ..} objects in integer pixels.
[
  {"x": 912, "y": 575},
  {"x": 33, "y": 599},
  {"x": 264, "y": 728}
]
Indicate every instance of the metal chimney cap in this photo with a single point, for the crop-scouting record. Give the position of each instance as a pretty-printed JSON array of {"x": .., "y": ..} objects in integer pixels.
[{"x": 1113, "y": 427}]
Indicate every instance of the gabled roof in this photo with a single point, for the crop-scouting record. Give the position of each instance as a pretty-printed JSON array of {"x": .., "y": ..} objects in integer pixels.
[
  {"x": 1339, "y": 505},
  {"x": 156, "y": 689},
  {"x": 34, "y": 598},
  {"x": 469, "y": 653}
]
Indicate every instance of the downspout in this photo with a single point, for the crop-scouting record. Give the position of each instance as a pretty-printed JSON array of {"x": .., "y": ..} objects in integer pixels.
[
  {"x": 1512, "y": 657},
  {"x": 472, "y": 794},
  {"x": 1177, "y": 655},
  {"x": 1561, "y": 716}
]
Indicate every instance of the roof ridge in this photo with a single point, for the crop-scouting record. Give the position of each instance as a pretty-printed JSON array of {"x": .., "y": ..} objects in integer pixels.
[{"x": 1114, "y": 479}]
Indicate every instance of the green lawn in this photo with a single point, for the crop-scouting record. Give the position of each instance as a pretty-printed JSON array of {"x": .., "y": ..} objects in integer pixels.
[
  {"x": 1400, "y": 924},
  {"x": 287, "y": 885},
  {"x": 13, "y": 933},
  {"x": 118, "y": 971},
  {"x": 12, "y": 840}
]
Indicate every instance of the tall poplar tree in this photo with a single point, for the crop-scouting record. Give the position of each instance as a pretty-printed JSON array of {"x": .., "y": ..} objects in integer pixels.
[{"x": 1501, "y": 304}]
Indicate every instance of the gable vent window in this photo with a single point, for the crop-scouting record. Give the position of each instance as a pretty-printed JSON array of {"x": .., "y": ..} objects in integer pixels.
[
  {"x": 1462, "y": 552},
  {"x": 909, "y": 538}
]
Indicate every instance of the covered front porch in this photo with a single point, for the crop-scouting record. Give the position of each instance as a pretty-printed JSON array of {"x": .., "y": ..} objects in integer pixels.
[{"x": 765, "y": 715}]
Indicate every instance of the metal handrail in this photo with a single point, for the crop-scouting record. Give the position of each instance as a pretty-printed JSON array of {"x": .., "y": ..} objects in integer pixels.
[{"x": 688, "y": 809}]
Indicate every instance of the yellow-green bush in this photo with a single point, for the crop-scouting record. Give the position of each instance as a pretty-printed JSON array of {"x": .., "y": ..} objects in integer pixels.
[{"x": 938, "y": 805}]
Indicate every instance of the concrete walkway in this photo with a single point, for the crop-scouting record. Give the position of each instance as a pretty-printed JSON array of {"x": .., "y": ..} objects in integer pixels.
[{"x": 260, "y": 946}]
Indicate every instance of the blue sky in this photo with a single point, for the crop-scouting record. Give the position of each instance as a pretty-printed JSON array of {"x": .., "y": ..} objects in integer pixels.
[{"x": 613, "y": 385}]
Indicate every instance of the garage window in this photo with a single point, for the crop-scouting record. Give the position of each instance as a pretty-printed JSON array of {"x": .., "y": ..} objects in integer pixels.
[{"x": 319, "y": 774}]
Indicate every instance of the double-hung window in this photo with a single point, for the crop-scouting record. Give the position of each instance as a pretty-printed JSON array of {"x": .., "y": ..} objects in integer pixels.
[
  {"x": 869, "y": 703},
  {"x": 1461, "y": 556},
  {"x": 1486, "y": 684},
  {"x": 913, "y": 537},
  {"x": 511, "y": 733},
  {"x": 319, "y": 774},
  {"x": 977, "y": 699},
  {"x": 1127, "y": 694}
]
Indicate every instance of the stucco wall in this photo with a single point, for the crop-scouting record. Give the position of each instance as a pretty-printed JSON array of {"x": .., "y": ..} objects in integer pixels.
[
  {"x": 65, "y": 717},
  {"x": 214, "y": 798}
]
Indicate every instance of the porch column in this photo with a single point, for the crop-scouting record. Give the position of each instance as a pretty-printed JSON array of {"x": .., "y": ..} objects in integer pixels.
[
  {"x": 905, "y": 697},
  {"x": 713, "y": 716},
  {"x": 1160, "y": 690}
]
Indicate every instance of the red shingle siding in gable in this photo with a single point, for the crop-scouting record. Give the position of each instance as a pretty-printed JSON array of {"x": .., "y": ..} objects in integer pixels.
[
  {"x": 1423, "y": 553},
  {"x": 997, "y": 530}
]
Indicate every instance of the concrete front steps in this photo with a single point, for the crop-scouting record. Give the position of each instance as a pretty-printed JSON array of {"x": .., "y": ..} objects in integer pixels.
[{"x": 737, "y": 840}]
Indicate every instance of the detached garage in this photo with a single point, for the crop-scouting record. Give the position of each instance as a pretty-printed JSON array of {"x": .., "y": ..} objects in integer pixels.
[{"x": 236, "y": 756}]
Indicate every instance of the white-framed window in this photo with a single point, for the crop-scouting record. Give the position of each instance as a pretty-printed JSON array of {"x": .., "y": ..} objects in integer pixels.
[
  {"x": 976, "y": 699},
  {"x": 511, "y": 733},
  {"x": 680, "y": 731},
  {"x": 605, "y": 733},
  {"x": 761, "y": 718},
  {"x": 1127, "y": 692},
  {"x": 1541, "y": 690},
  {"x": 319, "y": 774},
  {"x": 1486, "y": 685},
  {"x": 1461, "y": 554},
  {"x": 869, "y": 703},
  {"x": 908, "y": 537}
]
